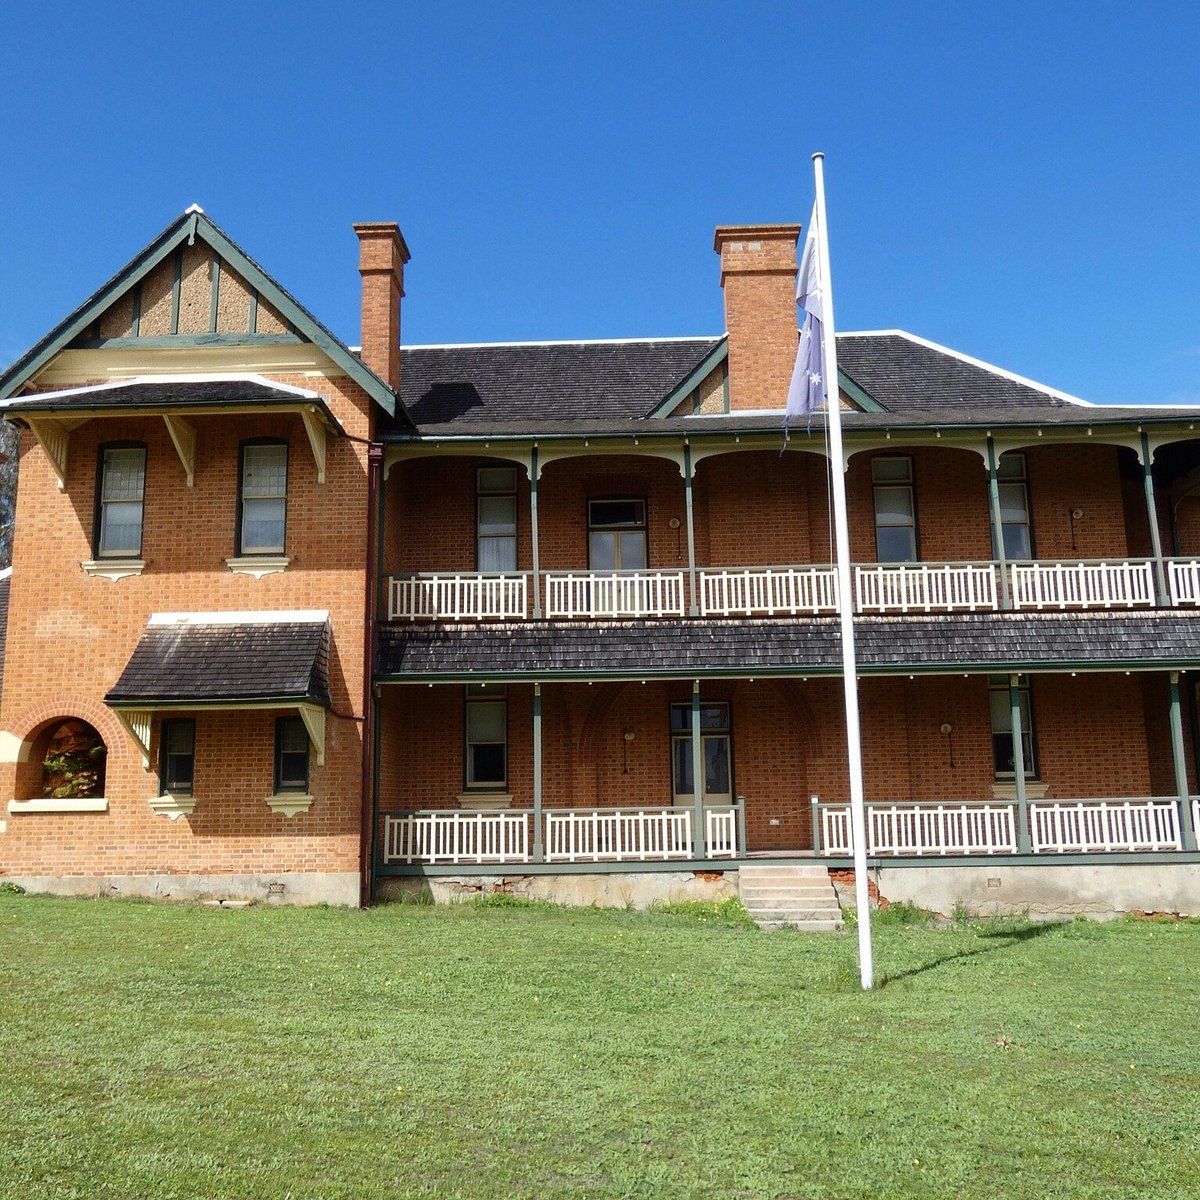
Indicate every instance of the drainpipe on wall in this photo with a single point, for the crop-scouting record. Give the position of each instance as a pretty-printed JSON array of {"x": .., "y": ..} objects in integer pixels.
[{"x": 366, "y": 849}]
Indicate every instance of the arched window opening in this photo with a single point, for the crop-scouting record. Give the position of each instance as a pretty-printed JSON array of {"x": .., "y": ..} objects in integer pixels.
[{"x": 73, "y": 759}]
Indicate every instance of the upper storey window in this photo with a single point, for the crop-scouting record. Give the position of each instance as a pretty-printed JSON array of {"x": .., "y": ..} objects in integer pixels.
[
  {"x": 616, "y": 535},
  {"x": 1014, "y": 507},
  {"x": 895, "y": 509},
  {"x": 262, "y": 505},
  {"x": 119, "y": 501},
  {"x": 496, "y": 518}
]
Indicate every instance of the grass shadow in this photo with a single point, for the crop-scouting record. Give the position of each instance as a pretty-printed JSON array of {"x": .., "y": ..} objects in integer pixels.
[{"x": 1002, "y": 939}]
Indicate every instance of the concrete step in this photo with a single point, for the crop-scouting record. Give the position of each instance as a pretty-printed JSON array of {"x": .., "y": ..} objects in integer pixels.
[
  {"x": 803, "y": 926},
  {"x": 778, "y": 896}
]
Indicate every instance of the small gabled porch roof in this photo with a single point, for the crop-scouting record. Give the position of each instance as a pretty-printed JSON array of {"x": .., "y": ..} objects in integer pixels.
[{"x": 227, "y": 660}]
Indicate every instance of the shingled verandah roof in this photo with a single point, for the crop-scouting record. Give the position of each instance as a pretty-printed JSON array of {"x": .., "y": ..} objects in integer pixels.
[
  {"x": 227, "y": 660},
  {"x": 887, "y": 645}
]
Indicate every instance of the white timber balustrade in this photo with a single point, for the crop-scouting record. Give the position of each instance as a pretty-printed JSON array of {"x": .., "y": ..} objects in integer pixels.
[
  {"x": 925, "y": 587},
  {"x": 1183, "y": 577},
  {"x": 1101, "y": 826},
  {"x": 457, "y": 597},
  {"x": 574, "y": 594},
  {"x": 619, "y": 834},
  {"x": 454, "y": 836},
  {"x": 923, "y": 829},
  {"x": 720, "y": 832},
  {"x": 1083, "y": 585},
  {"x": 766, "y": 591}
]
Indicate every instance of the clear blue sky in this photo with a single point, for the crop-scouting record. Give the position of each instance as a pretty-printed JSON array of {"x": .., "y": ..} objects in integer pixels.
[{"x": 1020, "y": 181}]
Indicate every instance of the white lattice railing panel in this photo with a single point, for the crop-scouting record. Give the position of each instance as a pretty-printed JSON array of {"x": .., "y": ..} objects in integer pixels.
[
  {"x": 924, "y": 829},
  {"x": 1097, "y": 826},
  {"x": 766, "y": 591},
  {"x": 925, "y": 587},
  {"x": 457, "y": 597},
  {"x": 1183, "y": 578},
  {"x": 618, "y": 834},
  {"x": 573, "y": 594},
  {"x": 720, "y": 832},
  {"x": 1083, "y": 585},
  {"x": 454, "y": 836}
]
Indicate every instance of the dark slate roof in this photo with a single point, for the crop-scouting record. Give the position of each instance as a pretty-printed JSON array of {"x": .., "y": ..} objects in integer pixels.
[
  {"x": 156, "y": 394},
  {"x": 5, "y": 584},
  {"x": 192, "y": 659},
  {"x": 902, "y": 373},
  {"x": 885, "y": 645},
  {"x": 575, "y": 381}
]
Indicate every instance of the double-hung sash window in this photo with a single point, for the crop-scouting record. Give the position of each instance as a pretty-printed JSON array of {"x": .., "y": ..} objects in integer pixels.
[
  {"x": 486, "y": 738},
  {"x": 895, "y": 509},
  {"x": 1003, "y": 757},
  {"x": 262, "y": 512},
  {"x": 291, "y": 755},
  {"x": 617, "y": 535},
  {"x": 496, "y": 518},
  {"x": 119, "y": 501},
  {"x": 1013, "y": 482},
  {"x": 177, "y": 756}
]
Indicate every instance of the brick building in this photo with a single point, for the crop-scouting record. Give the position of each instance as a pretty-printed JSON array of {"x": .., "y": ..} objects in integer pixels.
[{"x": 293, "y": 620}]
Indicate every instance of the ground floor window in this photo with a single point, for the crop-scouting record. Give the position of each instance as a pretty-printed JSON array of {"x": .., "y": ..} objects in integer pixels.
[
  {"x": 291, "y": 755},
  {"x": 715, "y": 750},
  {"x": 1002, "y": 739},
  {"x": 486, "y": 737},
  {"x": 177, "y": 756}
]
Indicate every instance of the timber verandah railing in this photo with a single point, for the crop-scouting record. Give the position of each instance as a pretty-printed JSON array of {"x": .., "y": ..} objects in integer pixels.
[
  {"x": 771, "y": 591},
  {"x": 572, "y": 835},
  {"x": 988, "y": 828}
]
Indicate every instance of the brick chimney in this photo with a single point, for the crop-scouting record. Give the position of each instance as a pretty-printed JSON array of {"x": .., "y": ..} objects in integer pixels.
[
  {"x": 381, "y": 258},
  {"x": 758, "y": 276}
]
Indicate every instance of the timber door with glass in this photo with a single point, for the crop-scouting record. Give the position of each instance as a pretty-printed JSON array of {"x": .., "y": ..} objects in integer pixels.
[{"x": 715, "y": 752}]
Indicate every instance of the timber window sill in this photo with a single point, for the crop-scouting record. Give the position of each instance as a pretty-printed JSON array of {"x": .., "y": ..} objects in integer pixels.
[
  {"x": 290, "y": 803},
  {"x": 258, "y": 565},
  {"x": 1034, "y": 790},
  {"x": 485, "y": 801},
  {"x": 173, "y": 805},
  {"x": 113, "y": 568},
  {"x": 69, "y": 804}
]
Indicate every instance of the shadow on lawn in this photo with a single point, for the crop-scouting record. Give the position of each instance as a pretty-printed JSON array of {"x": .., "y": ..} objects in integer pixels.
[{"x": 1001, "y": 939}]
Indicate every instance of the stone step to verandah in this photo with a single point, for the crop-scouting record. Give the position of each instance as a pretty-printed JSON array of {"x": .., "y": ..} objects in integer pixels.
[{"x": 800, "y": 897}]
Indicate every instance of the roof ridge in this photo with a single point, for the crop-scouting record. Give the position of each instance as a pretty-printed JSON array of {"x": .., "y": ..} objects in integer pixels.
[{"x": 637, "y": 341}]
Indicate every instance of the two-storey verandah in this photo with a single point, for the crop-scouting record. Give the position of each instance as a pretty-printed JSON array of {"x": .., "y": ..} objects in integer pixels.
[{"x": 596, "y": 750}]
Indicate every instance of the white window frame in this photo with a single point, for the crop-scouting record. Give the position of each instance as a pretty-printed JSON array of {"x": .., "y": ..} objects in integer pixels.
[
  {"x": 901, "y": 485},
  {"x": 103, "y": 502},
  {"x": 479, "y": 695}
]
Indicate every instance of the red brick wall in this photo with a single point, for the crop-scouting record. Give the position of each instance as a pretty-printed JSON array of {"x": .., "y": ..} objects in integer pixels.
[
  {"x": 70, "y": 635},
  {"x": 788, "y": 743}
]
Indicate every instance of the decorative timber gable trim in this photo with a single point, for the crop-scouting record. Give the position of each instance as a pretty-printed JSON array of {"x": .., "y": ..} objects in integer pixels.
[{"x": 290, "y": 321}]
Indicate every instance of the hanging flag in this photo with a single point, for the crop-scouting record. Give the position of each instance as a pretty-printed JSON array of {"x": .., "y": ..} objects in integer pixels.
[{"x": 806, "y": 392}]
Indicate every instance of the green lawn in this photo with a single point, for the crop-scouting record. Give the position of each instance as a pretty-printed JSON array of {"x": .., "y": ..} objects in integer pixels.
[{"x": 154, "y": 1050}]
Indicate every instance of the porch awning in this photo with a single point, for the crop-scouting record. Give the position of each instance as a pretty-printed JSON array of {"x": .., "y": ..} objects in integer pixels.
[
  {"x": 227, "y": 660},
  {"x": 52, "y": 415},
  {"x": 938, "y": 644}
]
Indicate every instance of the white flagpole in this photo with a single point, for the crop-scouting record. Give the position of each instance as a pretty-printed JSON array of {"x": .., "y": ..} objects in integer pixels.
[{"x": 858, "y": 822}]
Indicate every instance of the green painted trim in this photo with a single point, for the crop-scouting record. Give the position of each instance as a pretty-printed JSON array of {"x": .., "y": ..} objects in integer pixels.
[
  {"x": 137, "y": 314},
  {"x": 176, "y": 283},
  {"x": 1017, "y": 733},
  {"x": 539, "y": 851},
  {"x": 725, "y": 865},
  {"x": 689, "y": 513},
  {"x": 997, "y": 521},
  {"x": 755, "y": 671},
  {"x": 692, "y": 380},
  {"x": 189, "y": 226},
  {"x": 858, "y": 394},
  {"x": 184, "y": 341},
  {"x": 252, "y": 320},
  {"x": 263, "y": 702},
  {"x": 698, "y": 773},
  {"x": 725, "y": 385},
  {"x": 535, "y": 535},
  {"x": 214, "y": 294},
  {"x": 1160, "y": 571}
]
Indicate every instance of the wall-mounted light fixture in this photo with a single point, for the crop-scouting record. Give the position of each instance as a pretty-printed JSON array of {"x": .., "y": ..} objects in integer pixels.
[
  {"x": 674, "y": 524},
  {"x": 626, "y": 738},
  {"x": 947, "y": 731}
]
